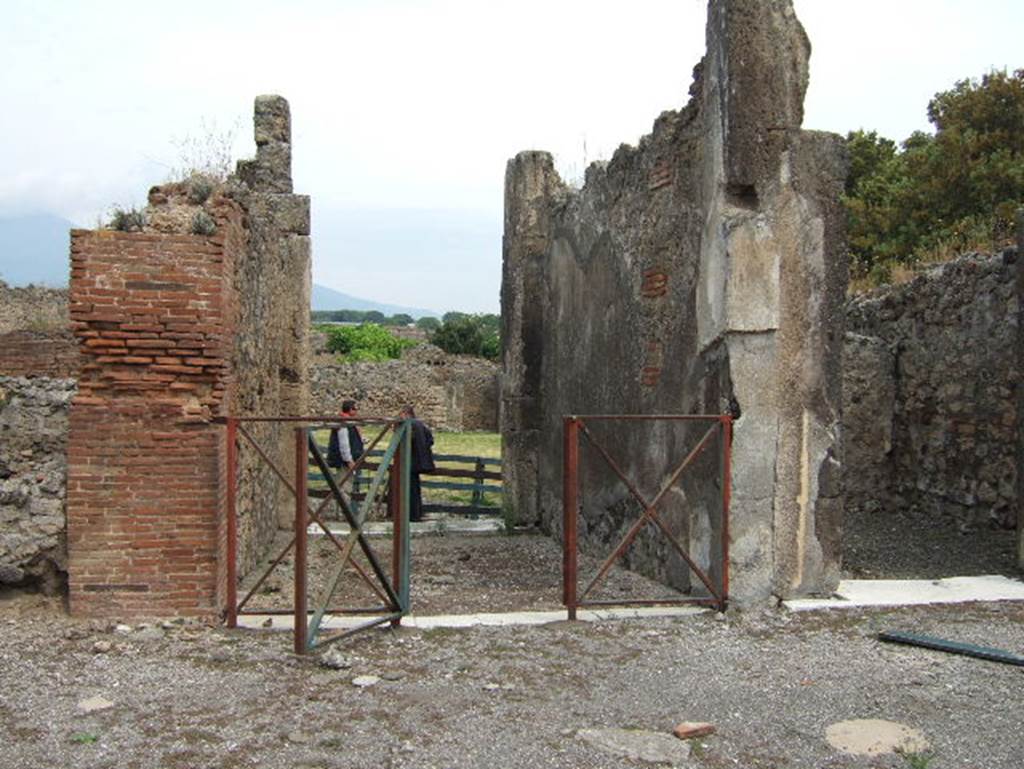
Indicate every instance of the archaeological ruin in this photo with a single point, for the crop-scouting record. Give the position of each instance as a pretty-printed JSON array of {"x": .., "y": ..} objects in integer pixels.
[
  {"x": 175, "y": 327},
  {"x": 701, "y": 272}
]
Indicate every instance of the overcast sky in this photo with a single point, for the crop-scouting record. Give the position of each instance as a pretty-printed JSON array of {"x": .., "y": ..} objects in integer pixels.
[{"x": 404, "y": 112}]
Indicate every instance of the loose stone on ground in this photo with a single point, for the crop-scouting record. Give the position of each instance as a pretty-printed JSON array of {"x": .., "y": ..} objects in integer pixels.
[
  {"x": 637, "y": 745},
  {"x": 875, "y": 737}
]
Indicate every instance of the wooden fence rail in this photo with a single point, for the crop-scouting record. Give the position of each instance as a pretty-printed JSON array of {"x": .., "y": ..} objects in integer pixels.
[{"x": 475, "y": 477}]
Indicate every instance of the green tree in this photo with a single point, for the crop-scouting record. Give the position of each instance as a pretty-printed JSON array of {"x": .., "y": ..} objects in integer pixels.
[
  {"x": 401, "y": 319},
  {"x": 428, "y": 323},
  {"x": 459, "y": 335},
  {"x": 954, "y": 190},
  {"x": 463, "y": 334}
]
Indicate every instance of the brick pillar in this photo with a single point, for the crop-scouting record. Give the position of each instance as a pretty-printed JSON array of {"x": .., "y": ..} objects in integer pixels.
[{"x": 153, "y": 315}]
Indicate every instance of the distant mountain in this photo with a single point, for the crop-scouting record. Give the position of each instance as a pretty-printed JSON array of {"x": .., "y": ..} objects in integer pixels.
[
  {"x": 328, "y": 299},
  {"x": 35, "y": 249}
]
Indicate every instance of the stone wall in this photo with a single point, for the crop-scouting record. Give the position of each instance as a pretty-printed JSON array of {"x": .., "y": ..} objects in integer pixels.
[
  {"x": 271, "y": 352},
  {"x": 931, "y": 383},
  {"x": 450, "y": 392},
  {"x": 51, "y": 354},
  {"x": 33, "y": 480},
  {"x": 699, "y": 272},
  {"x": 34, "y": 336},
  {"x": 33, "y": 308}
]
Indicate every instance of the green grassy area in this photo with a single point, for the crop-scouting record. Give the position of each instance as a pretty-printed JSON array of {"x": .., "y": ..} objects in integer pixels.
[{"x": 468, "y": 444}]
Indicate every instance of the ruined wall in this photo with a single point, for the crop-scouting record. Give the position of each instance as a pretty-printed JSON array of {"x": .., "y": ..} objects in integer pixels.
[
  {"x": 34, "y": 336},
  {"x": 178, "y": 328},
  {"x": 32, "y": 308},
  {"x": 271, "y": 353},
  {"x": 33, "y": 480},
  {"x": 154, "y": 316},
  {"x": 700, "y": 272},
  {"x": 52, "y": 354},
  {"x": 450, "y": 392},
  {"x": 931, "y": 381}
]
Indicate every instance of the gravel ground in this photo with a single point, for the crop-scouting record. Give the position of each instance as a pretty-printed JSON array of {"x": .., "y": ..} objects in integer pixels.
[
  {"x": 893, "y": 545},
  {"x": 189, "y": 695},
  {"x": 457, "y": 575}
]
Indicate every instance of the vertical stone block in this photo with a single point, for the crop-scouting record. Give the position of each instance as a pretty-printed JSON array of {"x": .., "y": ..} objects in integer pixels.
[{"x": 531, "y": 183}]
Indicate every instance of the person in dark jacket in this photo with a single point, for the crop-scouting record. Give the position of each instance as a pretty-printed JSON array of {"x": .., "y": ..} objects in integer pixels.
[
  {"x": 422, "y": 461},
  {"x": 345, "y": 445}
]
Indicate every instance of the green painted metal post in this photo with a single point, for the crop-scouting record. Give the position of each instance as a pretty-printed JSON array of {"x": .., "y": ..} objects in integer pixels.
[
  {"x": 301, "y": 521},
  {"x": 406, "y": 471}
]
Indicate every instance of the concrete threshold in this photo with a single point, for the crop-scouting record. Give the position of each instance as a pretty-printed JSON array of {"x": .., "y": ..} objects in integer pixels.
[
  {"x": 431, "y": 526},
  {"x": 862, "y": 593},
  {"x": 496, "y": 619}
]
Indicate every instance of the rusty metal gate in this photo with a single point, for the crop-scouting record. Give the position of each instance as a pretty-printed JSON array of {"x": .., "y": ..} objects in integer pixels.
[
  {"x": 390, "y": 481},
  {"x": 574, "y": 427}
]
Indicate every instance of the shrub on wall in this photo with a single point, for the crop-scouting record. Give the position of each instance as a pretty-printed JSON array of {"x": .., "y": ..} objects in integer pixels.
[{"x": 365, "y": 342}]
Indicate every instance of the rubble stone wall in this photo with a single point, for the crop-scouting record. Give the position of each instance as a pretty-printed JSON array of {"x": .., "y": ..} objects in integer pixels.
[
  {"x": 699, "y": 272},
  {"x": 34, "y": 336},
  {"x": 450, "y": 392},
  {"x": 32, "y": 308},
  {"x": 271, "y": 351},
  {"x": 931, "y": 382},
  {"x": 33, "y": 480}
]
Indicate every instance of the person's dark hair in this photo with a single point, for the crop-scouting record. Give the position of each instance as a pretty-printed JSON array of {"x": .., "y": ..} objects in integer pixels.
[
  {"x": 347, "y": 406},
  {"x": 408, "y": 410}
]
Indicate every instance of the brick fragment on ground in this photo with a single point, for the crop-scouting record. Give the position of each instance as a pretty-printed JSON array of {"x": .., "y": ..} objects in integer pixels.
[{"x": 688, "y": 730}]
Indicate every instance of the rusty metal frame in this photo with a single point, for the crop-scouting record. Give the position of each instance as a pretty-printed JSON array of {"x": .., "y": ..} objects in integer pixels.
[
  {"x": 394, "y": 593},
  {"x": 573, "y": 427}
]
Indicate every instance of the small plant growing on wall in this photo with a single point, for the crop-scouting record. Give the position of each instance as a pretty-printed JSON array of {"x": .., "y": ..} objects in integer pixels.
[
  {"x": 130, "y": 220},
  {"x": 203, "y": 224},
  {"x": 200, "y": 187}
]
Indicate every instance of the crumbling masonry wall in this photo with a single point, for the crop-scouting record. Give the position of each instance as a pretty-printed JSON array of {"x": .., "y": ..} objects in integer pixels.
[
  {"x": 33, "y": 478},
  {"x": 932, "y": 403},
  {"x": 177, "y": 329},
  {"x": 35, "y": 340},
  {"x": 450, "y": 392},
  {"x": 699, "y": 272},
  {"x": 930, "y": 377}
]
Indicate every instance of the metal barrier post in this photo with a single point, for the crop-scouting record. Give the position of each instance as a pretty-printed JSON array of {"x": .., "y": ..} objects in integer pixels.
[
  {"x": 398, "y": 522},
  {"x": 405, "y": 463},
  {"x": 231, "y": 525},
  {"x": 726, "y": 476},
  {"x": 570, "y": 459},
  {"x": 301, "y": 515}
]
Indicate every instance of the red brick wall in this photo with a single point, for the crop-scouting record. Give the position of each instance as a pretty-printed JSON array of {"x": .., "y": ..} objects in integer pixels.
[
  {"x": 39, "y": 353},
  {"x": 154, "y": 317}
]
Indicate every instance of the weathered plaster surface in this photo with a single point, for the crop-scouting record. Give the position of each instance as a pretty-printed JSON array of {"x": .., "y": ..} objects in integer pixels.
[{"x": 700, "y": 272}]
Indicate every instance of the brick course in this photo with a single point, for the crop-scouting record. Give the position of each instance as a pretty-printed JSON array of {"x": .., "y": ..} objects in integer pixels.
[
  {"x": 154, "y": 315},
  {"x": 51, "y": 354}
]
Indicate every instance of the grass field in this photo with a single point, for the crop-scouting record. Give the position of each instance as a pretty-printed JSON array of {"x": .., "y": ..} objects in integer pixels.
[{"x": 486, "y": 445}]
